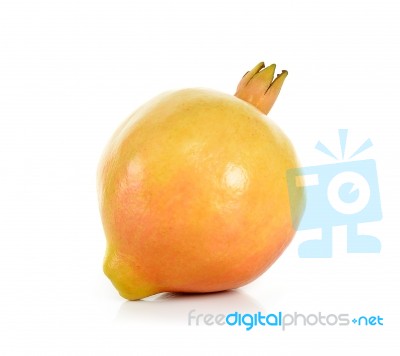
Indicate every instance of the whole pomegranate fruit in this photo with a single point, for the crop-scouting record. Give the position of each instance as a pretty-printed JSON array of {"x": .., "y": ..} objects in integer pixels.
[{"x": 192, "y": 190}]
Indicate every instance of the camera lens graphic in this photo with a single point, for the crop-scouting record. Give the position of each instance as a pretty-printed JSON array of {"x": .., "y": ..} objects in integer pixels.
[{"x": 348, "y": 193}]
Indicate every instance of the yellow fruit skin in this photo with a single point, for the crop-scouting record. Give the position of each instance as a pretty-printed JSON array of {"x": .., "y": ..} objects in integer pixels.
[{"x": 193, "y": 195}]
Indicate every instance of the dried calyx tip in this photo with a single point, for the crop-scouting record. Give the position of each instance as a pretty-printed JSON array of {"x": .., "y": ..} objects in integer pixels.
[{"x": 259, "y": 88}]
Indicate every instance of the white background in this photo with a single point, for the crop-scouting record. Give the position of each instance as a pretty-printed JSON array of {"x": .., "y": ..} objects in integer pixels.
[{"x": 71, "y": 71}]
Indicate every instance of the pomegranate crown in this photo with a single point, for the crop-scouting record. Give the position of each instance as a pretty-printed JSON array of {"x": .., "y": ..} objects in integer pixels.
[{"x": 259, "y": 88}]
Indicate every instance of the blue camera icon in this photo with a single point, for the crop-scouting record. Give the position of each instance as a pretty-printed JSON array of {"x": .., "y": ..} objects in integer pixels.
[{"x": 343, "y": 193}]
